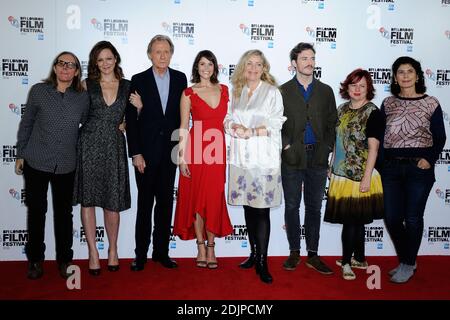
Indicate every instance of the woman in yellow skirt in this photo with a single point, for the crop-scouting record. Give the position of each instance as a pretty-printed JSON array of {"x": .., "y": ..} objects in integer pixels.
[{"x": 355, "y": 195}]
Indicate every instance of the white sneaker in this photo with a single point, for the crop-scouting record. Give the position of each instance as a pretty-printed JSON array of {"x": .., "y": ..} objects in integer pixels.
[{"x": 347, "y": 272}]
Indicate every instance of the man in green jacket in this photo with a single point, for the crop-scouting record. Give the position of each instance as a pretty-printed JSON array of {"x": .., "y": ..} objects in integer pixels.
[{"x": 308, "y": 138}]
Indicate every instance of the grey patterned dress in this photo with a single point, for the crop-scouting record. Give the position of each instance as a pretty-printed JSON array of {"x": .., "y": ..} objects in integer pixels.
[{"x": 102, "y": 178}]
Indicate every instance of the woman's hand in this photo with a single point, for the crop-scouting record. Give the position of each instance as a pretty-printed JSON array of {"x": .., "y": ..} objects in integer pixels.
[
  {"x": 19, "y": 166},
  {"x": 423, "y": 164},
  {"x": 184, "y": 170},
  {"x": 364, "y": 185},
  {"x": 239, "y": 130},
  {"x": 136, "y": 101}
]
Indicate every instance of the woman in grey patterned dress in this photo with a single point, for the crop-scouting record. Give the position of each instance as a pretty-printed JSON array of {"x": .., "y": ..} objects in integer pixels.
[{"x": 102, "y": 168}]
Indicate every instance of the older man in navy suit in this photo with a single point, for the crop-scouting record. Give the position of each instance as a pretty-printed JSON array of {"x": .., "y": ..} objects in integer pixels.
[{"x": 152, "y": 115}]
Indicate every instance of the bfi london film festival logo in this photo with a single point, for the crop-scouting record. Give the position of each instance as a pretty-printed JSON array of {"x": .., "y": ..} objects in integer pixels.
[
  {"x": 259, "y": 33},
  {"x": 226, "y": 72},
  {"x": 390, "y": 4},
  {"x": 444, "y": 195},
  {"x": 317, "y": 73},
  {"x": 17, "y": 109},
  {"x": 29, "y": 25},
  {"x": 240, "y": 233},
  {"x": 381, "y": 76},
  {"x": 112, "y": 28},
  {"x": 399, "y": 37},
  {"x": 13, "y": 238},
  {"x": 375, "y": 235},
  {"x": 445, "y": 3},
  {"x": 99, "y": 236},
  {"x": 9, "y": 154},
  {"x": 180, "y": 31},
  {"x": 18, "y": 195},
  {"x": 438, "y": 235},
  {"x": 440, "y": 78},
  {"x": 15, "y": 68},
  {"x": 323, "y": 35},
  {"x": 84, "y": 68},
  {"x": 320, "y": 3},
  {"x": 444, "y": 157}
]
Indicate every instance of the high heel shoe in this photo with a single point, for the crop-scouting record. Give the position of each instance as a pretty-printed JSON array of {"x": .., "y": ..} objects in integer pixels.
[
  {"x": 95, "y": 272},
  {"x": 201, "y": 263},
  {"x": 112, "y": 268},
  {"x": 212, "y": 264}
]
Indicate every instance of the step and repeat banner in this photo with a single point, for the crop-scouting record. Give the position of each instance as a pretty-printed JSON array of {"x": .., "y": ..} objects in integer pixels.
[{"x": 347, "y": 34}]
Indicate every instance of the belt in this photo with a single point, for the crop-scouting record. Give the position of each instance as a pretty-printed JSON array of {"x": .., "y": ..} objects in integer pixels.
[{"x": 309, "y": 147}]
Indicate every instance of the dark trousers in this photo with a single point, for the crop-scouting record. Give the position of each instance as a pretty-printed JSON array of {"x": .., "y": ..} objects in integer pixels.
[
  {"x": 353, "y": 242},
  {"x": 406, "y": 188},
  {"x": 36, "y": 187},
  {"x": 156, "y": 183},
  {"x": 313, "y": 181}
]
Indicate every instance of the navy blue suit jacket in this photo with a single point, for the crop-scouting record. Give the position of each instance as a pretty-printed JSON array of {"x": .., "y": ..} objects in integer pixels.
[{"x": 150, "y": 133}]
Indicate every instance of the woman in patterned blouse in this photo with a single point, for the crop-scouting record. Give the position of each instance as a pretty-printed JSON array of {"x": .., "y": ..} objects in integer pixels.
[{"x": 413, "y": 140}]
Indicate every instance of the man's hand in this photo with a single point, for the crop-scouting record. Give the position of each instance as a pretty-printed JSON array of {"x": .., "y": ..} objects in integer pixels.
[
  {"x": 139, "y": 163},
  {"x": 19, "y": 166}
]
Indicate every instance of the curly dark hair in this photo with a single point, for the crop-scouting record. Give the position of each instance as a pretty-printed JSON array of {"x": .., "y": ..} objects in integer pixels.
[
  {"x": 420, "y": 84},
  {"x": 93, "y": 71},
  {"x": 354, "y": 77},
  {"x": 195, "y": 77}
]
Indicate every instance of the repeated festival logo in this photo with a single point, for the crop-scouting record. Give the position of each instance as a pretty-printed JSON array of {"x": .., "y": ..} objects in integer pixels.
[
  {"x": 180, "y": 31},
  {"x": 28, "y": 25}
]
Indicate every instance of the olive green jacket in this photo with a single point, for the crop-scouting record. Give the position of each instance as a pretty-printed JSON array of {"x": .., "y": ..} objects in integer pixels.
[{"x": 322, "y": 114}]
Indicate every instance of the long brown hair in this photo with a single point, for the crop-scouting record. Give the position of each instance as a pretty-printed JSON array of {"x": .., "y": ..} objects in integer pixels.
[
  {"x": 76, "y": 81},
  {"x": 93, "y": 71}
]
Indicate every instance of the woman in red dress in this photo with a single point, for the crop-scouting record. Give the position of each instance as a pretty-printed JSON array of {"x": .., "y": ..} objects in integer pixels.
[{"x": 201, "y": 211}]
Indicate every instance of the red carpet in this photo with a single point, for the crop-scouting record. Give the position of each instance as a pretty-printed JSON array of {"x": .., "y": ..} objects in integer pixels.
[{"x": 430, "y": 282}]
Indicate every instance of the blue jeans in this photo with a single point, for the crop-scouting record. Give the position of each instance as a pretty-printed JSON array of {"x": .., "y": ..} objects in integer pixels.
[
  {"x": 314, "y": 180},
  {"x": 406, "y": 188}
]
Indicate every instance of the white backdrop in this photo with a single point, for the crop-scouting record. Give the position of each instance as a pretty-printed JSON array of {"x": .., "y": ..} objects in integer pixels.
[{"x": 347, "y": 34}]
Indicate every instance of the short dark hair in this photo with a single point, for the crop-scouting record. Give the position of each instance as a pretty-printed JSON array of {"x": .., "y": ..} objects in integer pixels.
[
  {"x": 195, "y": 77},
  {"x": 302, "y": 46},
  {"x": 76, "y": 81},
  {"x": 93, "y": 71},
  {"x": 419, "y": 85},
  {"x": 354, "y": 77}
]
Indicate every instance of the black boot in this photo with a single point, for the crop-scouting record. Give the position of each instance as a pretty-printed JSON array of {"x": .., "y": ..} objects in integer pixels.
[
  {"x": 262, "y": 269},
  {"x": 250, "y": 261}
]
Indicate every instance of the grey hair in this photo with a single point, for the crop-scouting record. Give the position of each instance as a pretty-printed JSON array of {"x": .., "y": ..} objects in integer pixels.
[{"x": 160, "y": 37}]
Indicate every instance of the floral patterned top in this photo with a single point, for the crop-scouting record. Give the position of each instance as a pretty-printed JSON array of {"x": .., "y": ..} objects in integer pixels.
[{"x": 352, "y": 133}]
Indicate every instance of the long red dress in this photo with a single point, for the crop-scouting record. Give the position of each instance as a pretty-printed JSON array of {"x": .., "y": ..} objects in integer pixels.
[{"x": 204, "y": 191}]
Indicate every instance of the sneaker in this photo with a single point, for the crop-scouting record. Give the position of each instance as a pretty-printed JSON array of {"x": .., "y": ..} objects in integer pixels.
[
  {"x": 292, "y": 262},
  {"x": 403, "y": 274},
  {"x": 347, "y": 272},
  {"x": 317, "y": 264},
  {"x": 393, "y": 271},
  {"x": 354, "y": 264}
]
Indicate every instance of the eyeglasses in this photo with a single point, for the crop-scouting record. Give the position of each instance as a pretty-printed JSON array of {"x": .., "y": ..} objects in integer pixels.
[{"x": 62, "y": 64}]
